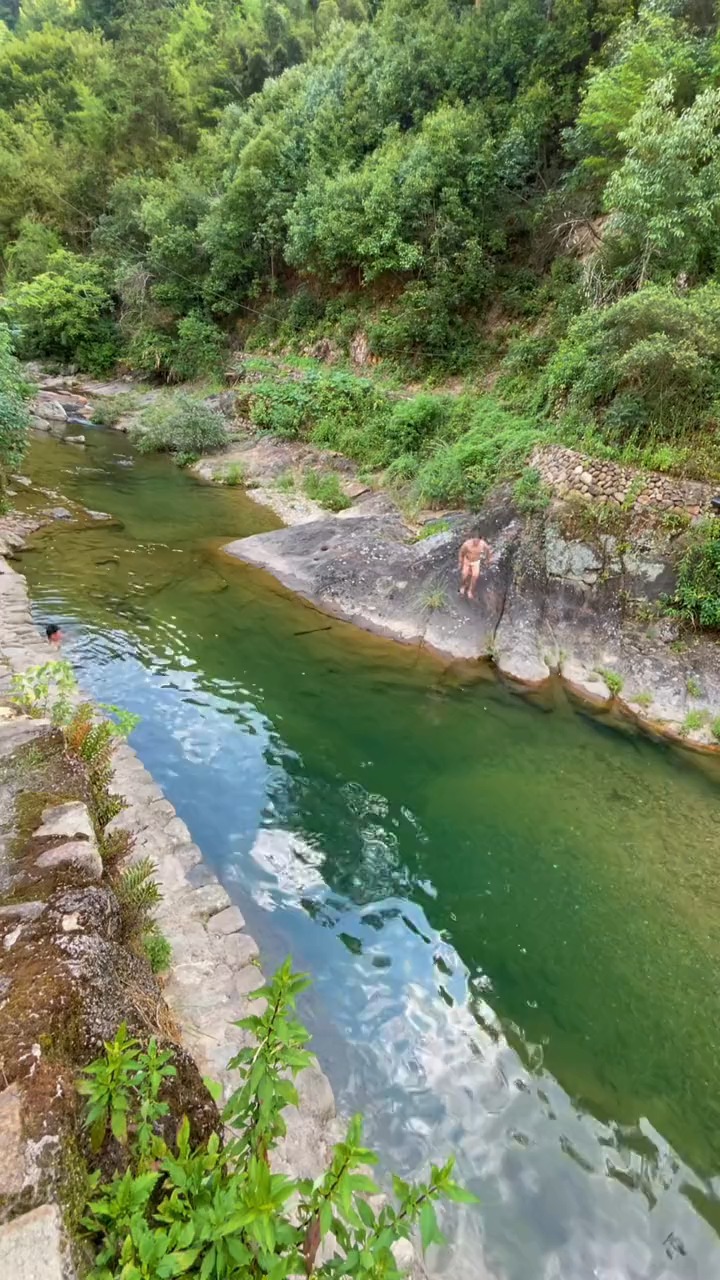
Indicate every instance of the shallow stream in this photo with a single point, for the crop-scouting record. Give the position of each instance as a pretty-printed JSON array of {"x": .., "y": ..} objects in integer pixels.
[{"x": 511, "y": 912}]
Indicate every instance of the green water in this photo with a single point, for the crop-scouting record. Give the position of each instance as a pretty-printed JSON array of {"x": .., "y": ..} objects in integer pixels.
[{"x": 511, "y": 913}]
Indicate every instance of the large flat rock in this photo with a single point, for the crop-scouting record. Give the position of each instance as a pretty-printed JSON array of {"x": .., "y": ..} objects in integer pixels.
[{"x": 32, "y": 1247}]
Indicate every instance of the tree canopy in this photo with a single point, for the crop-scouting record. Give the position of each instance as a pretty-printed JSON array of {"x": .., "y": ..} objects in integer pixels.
[{"x": 465, "y": 183}]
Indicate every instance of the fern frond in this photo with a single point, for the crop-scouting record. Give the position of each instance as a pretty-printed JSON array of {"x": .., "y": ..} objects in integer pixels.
[{"x": 135, "y": 887}]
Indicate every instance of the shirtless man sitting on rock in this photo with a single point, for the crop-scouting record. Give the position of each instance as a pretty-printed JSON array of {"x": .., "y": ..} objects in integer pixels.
[{"x": 475, "y": 553}]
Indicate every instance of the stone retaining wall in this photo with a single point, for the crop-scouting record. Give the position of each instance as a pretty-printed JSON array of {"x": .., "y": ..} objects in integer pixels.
[
  {"x": 215, "y": 963},
  {"x": 567, "y": 472}
]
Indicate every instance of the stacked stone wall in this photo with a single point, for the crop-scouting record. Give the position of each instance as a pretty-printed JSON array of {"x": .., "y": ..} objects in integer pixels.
[{"x": 567, "y": 472}]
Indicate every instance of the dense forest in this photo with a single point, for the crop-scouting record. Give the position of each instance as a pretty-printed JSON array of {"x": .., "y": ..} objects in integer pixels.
[{"x": 520, "y": 196}]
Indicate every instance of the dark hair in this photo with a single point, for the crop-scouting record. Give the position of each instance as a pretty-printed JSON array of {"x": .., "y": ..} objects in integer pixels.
[{"x": 51, "y": 629}]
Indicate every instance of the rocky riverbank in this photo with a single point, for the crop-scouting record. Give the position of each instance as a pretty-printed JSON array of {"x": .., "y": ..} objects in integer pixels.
[
  {"x": 566, "y": 596},
  {"x": 574, "y": 592},
  {"x": 68, "y": 976}
]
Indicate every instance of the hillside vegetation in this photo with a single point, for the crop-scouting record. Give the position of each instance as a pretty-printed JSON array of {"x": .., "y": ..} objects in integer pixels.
[{"x": 520, "y": 196}]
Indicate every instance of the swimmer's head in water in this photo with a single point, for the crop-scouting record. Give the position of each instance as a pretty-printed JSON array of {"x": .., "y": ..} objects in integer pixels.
[{"x": 53, "y": 633}]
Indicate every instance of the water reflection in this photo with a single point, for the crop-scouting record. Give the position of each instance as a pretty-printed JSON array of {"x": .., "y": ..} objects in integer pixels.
[{"x": 511, "y": 918}]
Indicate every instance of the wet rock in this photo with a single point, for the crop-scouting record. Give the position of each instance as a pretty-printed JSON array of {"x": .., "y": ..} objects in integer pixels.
[
  {"x": 77, "y": 440},
  {"x": 48, "y": 408}
]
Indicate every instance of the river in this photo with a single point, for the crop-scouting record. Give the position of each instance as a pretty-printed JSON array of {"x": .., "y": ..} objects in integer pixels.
[{"x": 510, "y": 911}]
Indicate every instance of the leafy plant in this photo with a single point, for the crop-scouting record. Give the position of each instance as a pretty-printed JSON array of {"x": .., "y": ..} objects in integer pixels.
[
  {"x": 715, "y": 728},
  {"x": 122, "y": 1091},
  {"x": 46, "y": 689},
  {"x": 693, "y": 687},
  {"x": 138, "y": 893},
  {"x": 14, "y": 420},
  {"x": 219, "y": 1212},
  {"x": 181, "y": 425},
  {"x": 530, "y": 493},
  {"x": 285, "y": 482},
  {"x": 66, "y": 312},
  {"x": 697, "y": 595},
  {"x": 326, "y": 490},
  {"x": 158, "y": 951},
  {"x": 613, "y": 679},
  {"x": 694, "y": 720}
]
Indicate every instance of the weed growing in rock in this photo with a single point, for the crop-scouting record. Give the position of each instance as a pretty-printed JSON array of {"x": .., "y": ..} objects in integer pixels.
[
  {"x": 219, "y": 1211},
  {"x": 122, "y": 1090},
  {"x": 326, "y": 490},
  {"x": 697, "y": 595},
  {"x": 431, "y": 528},
  {"x": 138, "y": 893},
  {"x": 434, "y": 600},
  {"x": 715, "y": 728},
  {"x": 234, "y": 475},
  {"x": 285, "y": 482},
  {"x": 694, "y": 720},
  {"x": 115, "y": 846},
  {"x": 675, "y": 522},
  {"x": 613, "y": 679},
  {"x": 158, "y": 951},
  {"x": 693, "y": 687},
  {"x": 644, "y": 700}
]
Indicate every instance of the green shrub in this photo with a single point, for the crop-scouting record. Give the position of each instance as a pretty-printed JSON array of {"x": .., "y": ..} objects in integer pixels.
[
  {"x": 715, "y": 728},
  {"x": 158, "y": 951},
  {"x": 107, "y": 410},
  {"x": 217, "y": 1210},
  {"x": 325, "y": 489},
  {"x": 28, "y": 256},
  {"x": 494, "y": 447},
  {"x": 697, "y": 595},
  {"x": 181, "y": 425},
  {"x": 645, "y": 365},
  {"x": 66, "y": 313},
  {"x": 14, "y": 420},
  {"x": 45, "y": 690},
  {"x": 530, "y": 494},
  {"x": 194, "y": 348}
]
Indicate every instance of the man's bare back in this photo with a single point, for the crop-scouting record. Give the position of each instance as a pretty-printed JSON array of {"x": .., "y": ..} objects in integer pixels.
[{"x": 475, "y": 553}]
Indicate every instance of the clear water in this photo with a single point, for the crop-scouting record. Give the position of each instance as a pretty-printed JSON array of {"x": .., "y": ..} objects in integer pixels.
[{"x": 510, "y": 913}]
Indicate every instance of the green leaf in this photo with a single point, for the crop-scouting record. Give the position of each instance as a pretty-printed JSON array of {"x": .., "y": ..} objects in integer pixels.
[
  {"x": 118, "y": 1124},
  {"x": 214, "y": 1088},
  {"x": 459, "y": 1194},
  {"x": 430, "y": 1232}
]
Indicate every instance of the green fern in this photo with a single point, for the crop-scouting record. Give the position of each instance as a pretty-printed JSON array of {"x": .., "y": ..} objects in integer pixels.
[{"x": 138, "y": 893}]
